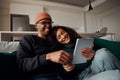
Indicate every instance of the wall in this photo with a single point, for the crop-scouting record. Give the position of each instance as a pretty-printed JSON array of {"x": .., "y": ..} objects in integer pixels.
[
  {"x": 62, "y": 14},
  {"x": 4, "y": 15},
  {"x": 65, "y": 16},
  {"x": 25, "y": 9},
  {"x": 71, "y": 19},
  {"x": 109, "y": 19},
  {"x": 91, "y": 22}
]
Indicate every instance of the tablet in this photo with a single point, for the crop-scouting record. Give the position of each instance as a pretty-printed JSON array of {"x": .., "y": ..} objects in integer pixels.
[{"x": 81, "y": 43}]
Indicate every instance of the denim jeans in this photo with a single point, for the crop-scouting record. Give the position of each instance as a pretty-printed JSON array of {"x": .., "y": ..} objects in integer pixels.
[
  {"x": 107, "y": 75},
  {"x": 104, "y": 66}
]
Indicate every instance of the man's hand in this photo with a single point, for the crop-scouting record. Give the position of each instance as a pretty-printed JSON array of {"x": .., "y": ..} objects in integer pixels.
[
  {"x": 68, "y": 67},
  {"x": 60, "y": 56},
  {"x": 88, "y": 53}
]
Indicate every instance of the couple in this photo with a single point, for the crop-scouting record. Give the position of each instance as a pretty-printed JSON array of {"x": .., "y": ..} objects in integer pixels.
[{"x": 48, "y": 55}]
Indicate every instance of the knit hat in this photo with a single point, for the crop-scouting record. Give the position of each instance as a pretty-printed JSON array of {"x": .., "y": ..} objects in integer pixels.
[{"x": 41, "y": 16}]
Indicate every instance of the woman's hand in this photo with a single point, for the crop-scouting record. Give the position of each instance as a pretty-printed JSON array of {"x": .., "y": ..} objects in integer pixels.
[
  {"x": 68, "y": 67},
  {"x": 87, "y": 53}
]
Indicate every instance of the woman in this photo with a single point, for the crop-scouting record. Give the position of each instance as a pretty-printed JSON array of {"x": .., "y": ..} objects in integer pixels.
[{"x": 101, "y": 63}]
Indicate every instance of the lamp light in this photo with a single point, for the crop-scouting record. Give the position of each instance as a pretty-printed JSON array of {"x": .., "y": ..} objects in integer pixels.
[{"x": 90, "y": 6}]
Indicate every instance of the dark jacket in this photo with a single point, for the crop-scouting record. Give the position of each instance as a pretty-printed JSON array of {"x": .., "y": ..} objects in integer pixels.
[{"x": 31, "y": 56}]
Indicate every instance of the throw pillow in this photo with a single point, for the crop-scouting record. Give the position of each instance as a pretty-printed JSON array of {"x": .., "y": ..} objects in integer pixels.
[
  {"x": 8, "y": 66},
  {"x": 7, "y": 61},
  {"x": 113, "y": 46}
]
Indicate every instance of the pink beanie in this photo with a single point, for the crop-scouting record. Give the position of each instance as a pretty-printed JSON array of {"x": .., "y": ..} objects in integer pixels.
[{"x": 42, "y": 15}]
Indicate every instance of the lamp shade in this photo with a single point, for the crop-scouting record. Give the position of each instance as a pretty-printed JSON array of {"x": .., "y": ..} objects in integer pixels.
[{"x": 90, "y": 6}]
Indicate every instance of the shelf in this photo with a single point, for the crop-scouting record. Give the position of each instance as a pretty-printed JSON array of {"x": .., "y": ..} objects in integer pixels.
[{"x": 7, "y": 35}]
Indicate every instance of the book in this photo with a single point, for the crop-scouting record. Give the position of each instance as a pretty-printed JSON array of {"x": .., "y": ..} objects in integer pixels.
[{"x": 80, "y": 44}]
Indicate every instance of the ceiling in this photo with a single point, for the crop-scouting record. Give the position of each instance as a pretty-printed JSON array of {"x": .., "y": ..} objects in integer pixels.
[
  {"x": 79, "y": 3},
  {"x": 107, "y": 5},
  {"x": 98, "y": 5}
]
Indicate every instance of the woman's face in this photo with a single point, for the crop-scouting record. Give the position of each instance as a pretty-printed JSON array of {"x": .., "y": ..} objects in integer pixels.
[{"x": 62, "y": 36}]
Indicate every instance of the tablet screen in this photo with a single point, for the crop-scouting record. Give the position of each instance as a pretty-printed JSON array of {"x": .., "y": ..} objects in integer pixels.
[{"x": 81, "y": 43}]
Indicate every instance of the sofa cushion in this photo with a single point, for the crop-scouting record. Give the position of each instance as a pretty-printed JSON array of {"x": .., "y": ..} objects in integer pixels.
[
  {"x": 7, "y": 46},
  {"x": 8, "y": 55},
  {"x": 107, "y": 37},
  {"x": 8, "y": 65},
  {"x": 113, "y": 46}
]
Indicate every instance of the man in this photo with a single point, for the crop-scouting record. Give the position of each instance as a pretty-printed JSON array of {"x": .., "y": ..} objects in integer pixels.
[{"x": 37, "y": 56}]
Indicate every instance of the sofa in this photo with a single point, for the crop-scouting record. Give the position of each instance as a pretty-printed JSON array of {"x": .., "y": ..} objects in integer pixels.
[{"x": 8, "y": 65}]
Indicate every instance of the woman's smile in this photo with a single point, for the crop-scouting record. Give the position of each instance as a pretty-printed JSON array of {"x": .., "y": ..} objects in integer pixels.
[{"x": 62, "y": 36}]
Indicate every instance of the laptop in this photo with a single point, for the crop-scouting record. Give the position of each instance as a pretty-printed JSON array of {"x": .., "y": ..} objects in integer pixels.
[{"x": 81, "y": 43}]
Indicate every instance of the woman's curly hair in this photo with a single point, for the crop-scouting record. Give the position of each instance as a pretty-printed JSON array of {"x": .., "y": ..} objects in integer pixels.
[{"x": 72, "y": 33}]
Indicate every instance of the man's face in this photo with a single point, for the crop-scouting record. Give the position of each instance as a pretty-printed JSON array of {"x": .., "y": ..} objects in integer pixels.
[{"x": 44, "y": 26}]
